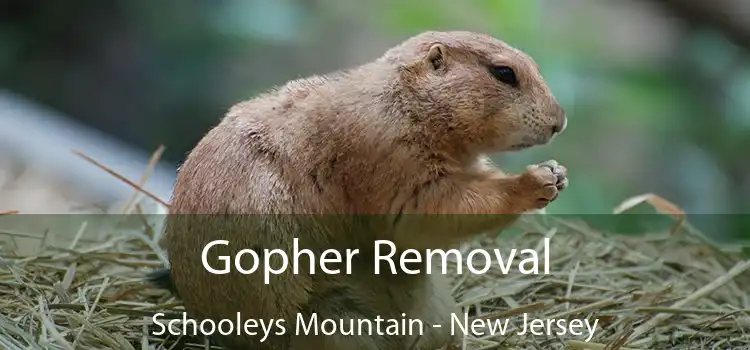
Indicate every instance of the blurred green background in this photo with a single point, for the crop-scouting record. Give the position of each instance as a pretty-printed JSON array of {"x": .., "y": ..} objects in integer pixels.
[{"x": 657, "y": 92}]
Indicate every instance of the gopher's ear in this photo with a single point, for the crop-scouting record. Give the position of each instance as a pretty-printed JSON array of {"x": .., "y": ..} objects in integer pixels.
[{"x": 435, "y": 58}]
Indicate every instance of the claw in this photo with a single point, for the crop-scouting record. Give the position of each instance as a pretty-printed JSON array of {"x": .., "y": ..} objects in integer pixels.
[{"x": 556, "y": 169}]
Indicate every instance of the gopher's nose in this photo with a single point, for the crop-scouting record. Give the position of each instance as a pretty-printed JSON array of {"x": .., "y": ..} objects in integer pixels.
[
  {"x": 560, "y": 127},
  {"x": 562, "y": 121}
]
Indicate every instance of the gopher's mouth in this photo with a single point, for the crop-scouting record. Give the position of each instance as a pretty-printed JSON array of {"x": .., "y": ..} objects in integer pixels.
[
  {"x": 520, "y": 146},
  {"x": 521, "y": 141},
  {"x": 531, "y": 141}
]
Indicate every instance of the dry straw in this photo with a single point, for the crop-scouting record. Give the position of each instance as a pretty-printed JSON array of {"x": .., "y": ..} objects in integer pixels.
[{"x": 656, "y": 291}]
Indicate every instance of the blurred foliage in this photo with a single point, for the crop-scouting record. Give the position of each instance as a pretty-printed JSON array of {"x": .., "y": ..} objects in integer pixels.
[{"x": 164, "y": 73}]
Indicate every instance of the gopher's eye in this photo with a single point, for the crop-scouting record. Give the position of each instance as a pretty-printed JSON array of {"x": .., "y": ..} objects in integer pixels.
[{"x": 505, "y": 74}]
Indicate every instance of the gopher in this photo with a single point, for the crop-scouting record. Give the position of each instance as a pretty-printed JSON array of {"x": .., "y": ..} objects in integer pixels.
[{"x": 395, "y": 149}]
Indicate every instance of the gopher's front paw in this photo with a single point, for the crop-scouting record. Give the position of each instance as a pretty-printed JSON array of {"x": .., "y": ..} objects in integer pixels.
[{"x": 542, "y": 183}]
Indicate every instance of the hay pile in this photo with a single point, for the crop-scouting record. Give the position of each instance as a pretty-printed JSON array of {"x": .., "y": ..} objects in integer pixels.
[{"x": 654, "y": 292}]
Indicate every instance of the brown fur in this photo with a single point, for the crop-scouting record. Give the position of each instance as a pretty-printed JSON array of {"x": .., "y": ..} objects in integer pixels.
[{"x": 405, "y": 134}]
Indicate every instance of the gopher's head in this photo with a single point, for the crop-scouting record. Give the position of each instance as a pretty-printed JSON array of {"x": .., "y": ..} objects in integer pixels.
[{"x": 477, "y": 90}]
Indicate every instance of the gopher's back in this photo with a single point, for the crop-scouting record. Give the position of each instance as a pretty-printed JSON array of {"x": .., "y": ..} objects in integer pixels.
[
  {"x": 222, "y": 191},
  {"x": 247, "y": 164},
  {"x": 275, "y": 154},
  {"x": 301, "y": 148}
]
